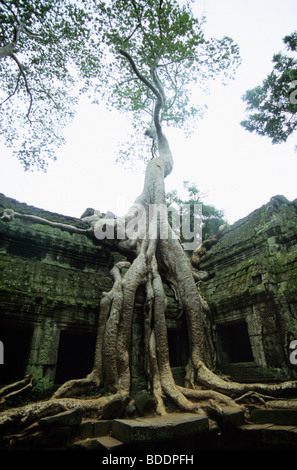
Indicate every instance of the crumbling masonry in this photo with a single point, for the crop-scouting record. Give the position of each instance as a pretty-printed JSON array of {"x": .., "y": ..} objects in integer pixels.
[{"x": 51, "y": 283}]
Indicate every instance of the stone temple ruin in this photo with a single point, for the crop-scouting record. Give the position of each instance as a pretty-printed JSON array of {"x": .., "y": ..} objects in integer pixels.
[{"x": 51, "y": 284}]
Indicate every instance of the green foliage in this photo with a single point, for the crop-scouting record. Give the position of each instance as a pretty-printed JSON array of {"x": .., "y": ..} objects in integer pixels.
[
  {"x": 212, "y": 217},
  {"x": 42, "y": 55},
  {"x": 52, "y": 50},
  {"x": 164, "y": 39},
  {"x": 272, "y": 107}
]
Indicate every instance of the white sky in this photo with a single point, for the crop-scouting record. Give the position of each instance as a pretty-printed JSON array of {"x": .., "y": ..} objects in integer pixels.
[{"x": 237, "y": 170}]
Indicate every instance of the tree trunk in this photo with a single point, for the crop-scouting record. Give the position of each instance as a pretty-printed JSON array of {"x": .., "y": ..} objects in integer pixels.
[
  {"x": 154, "y": 260},
  {"x": 158, "y": 260}
]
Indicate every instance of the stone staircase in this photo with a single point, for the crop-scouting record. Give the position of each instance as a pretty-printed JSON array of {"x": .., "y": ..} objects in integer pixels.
[
  {"x": 230, "y": 430},
  {"x": 269, "y": 429},
  {"x": 139, "y": 433}
]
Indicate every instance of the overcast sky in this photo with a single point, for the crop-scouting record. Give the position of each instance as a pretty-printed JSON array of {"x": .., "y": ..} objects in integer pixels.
[{"x": 237, "y": 170}]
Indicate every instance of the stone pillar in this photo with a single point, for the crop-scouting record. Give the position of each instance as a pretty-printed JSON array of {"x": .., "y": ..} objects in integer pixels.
[
  {"x": 44, "y": 353},
  {"x": 254, "y": 323}
]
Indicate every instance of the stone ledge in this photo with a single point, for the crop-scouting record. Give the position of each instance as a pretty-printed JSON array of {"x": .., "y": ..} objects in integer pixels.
[
  {"x": 267, "y": 436},
  {"x": 97, "y": 443},
  {"x": 276, "y": 416},
  {"x": 175, "y": 425}
]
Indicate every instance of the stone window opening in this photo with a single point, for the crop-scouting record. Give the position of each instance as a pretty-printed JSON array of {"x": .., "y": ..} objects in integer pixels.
[
  {"x": 16, "y": 342},
  {"x": 178, "y": 347},
  {"x": 234, "y": 343},
  {"x": 75, "y": 355}
]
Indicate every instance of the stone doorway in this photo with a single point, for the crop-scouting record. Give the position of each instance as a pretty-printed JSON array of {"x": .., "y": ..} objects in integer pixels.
[
  {"x": 178, "y": 347},
  {"x": 75, "y": 355},
  {"x": 16, "y": 341},
  {"x": 234, "y": 343}
]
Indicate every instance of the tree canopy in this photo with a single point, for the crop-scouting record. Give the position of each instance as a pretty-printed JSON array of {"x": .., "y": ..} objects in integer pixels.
[
  {"x": 151, "y": 55},
  {"x": 52, "y": 50},
  {"x": 164, "y": 43},
  {"x": 272, "y": 106},
  {"x": 43, "y": 49},
  {"x": 211, "y": 217}
]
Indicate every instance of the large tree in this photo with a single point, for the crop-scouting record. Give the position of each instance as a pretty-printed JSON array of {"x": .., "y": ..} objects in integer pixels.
[
  {"x": 154, "y": 55},
  {"x": 210, "y": 217},
  {"x": 46, "y": 58},
  {"x": 272, "y": 106}
]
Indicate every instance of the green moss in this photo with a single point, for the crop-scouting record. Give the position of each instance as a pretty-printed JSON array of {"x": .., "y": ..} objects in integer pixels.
[{"x": 40, "y": 383}]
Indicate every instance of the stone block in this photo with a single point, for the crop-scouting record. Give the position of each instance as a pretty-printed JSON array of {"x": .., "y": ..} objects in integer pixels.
[
  {"x": 152, "y": 429},
  {"x": 109, "y": 443},
  {"x": 133, "y": 431},
  {"x": 280, "y": 416},
  {"x": 66, "y": 418},
  {"x": 85, "y": 429},
  {"x": 101, "y": 427},
  {"x": 232, "y": 416},
  {"x": 85, "y": 444}
]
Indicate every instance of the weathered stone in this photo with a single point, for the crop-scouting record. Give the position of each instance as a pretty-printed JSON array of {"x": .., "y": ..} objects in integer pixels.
[
  {"x": 252, "y": 284},
  {"x": 66, "y": 418},
  {"x": 266, "y": 437},
  {"x": 144, "y": 402},
  {"x": 97, "y": 443},
  {"x": 109, "y": 443},
  {"x": 85, "y": 444},
  {"x": 276, "y": 416},
  {"x": 101, "y": 427},
  {"x": 92, "y": 428},
  {"x": 116, "y": 408},
  {"x": 172, "y": 426},
  {"x": 231, "y": 417},
  {"x": 51, "y": 283}
]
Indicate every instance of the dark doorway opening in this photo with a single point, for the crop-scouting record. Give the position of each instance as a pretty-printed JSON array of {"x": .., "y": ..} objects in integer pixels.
[
  {"x": 75, "y": 355},
  {"x": 16, "y": 341},
  {"x": 234, "y": 343},
  {"x": 178, "y": 347}
]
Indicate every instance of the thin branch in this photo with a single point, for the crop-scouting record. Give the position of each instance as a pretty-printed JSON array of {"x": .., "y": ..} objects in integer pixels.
[
  {"x": 17, "y": 30},
  {"x": 156, "y": 88},
  {"x": 158, "y": 84},
  {"x": 47, "y": 93},
  {"x": 10, "y": 10},
  {"x": 13, "y": 56},
  {"x": 139, "y": 17},
  {"x": 9, "y": 214},
  {"x": 132, "y": 79},
  {"x": 141, "y": 77},
  {"x": 133, "y": 32},
  {"x": 14, "y": 92},
  {"x": 159, "y": 24}
]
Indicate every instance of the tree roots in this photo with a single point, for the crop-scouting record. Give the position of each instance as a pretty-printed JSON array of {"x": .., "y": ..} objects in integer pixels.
[
  {"x": 155, "y": 261},
  {"x": 203, "y": 389}
]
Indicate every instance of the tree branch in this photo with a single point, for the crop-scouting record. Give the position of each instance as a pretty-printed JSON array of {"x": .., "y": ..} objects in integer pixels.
[
  {"x": 156, "y": 88},
  {"x": 2, "y": 2},
  {"x": 14, "y": 92},
  {"x": 13, "y": 56},
  {"x": 141, "y": 77},
  {"x": 9, "y": 215}
]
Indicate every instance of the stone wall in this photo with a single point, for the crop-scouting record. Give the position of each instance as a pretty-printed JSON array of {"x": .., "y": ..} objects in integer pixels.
[
  {"x": 51, "y": 283},
  {"x": 252, "y": 293}
]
